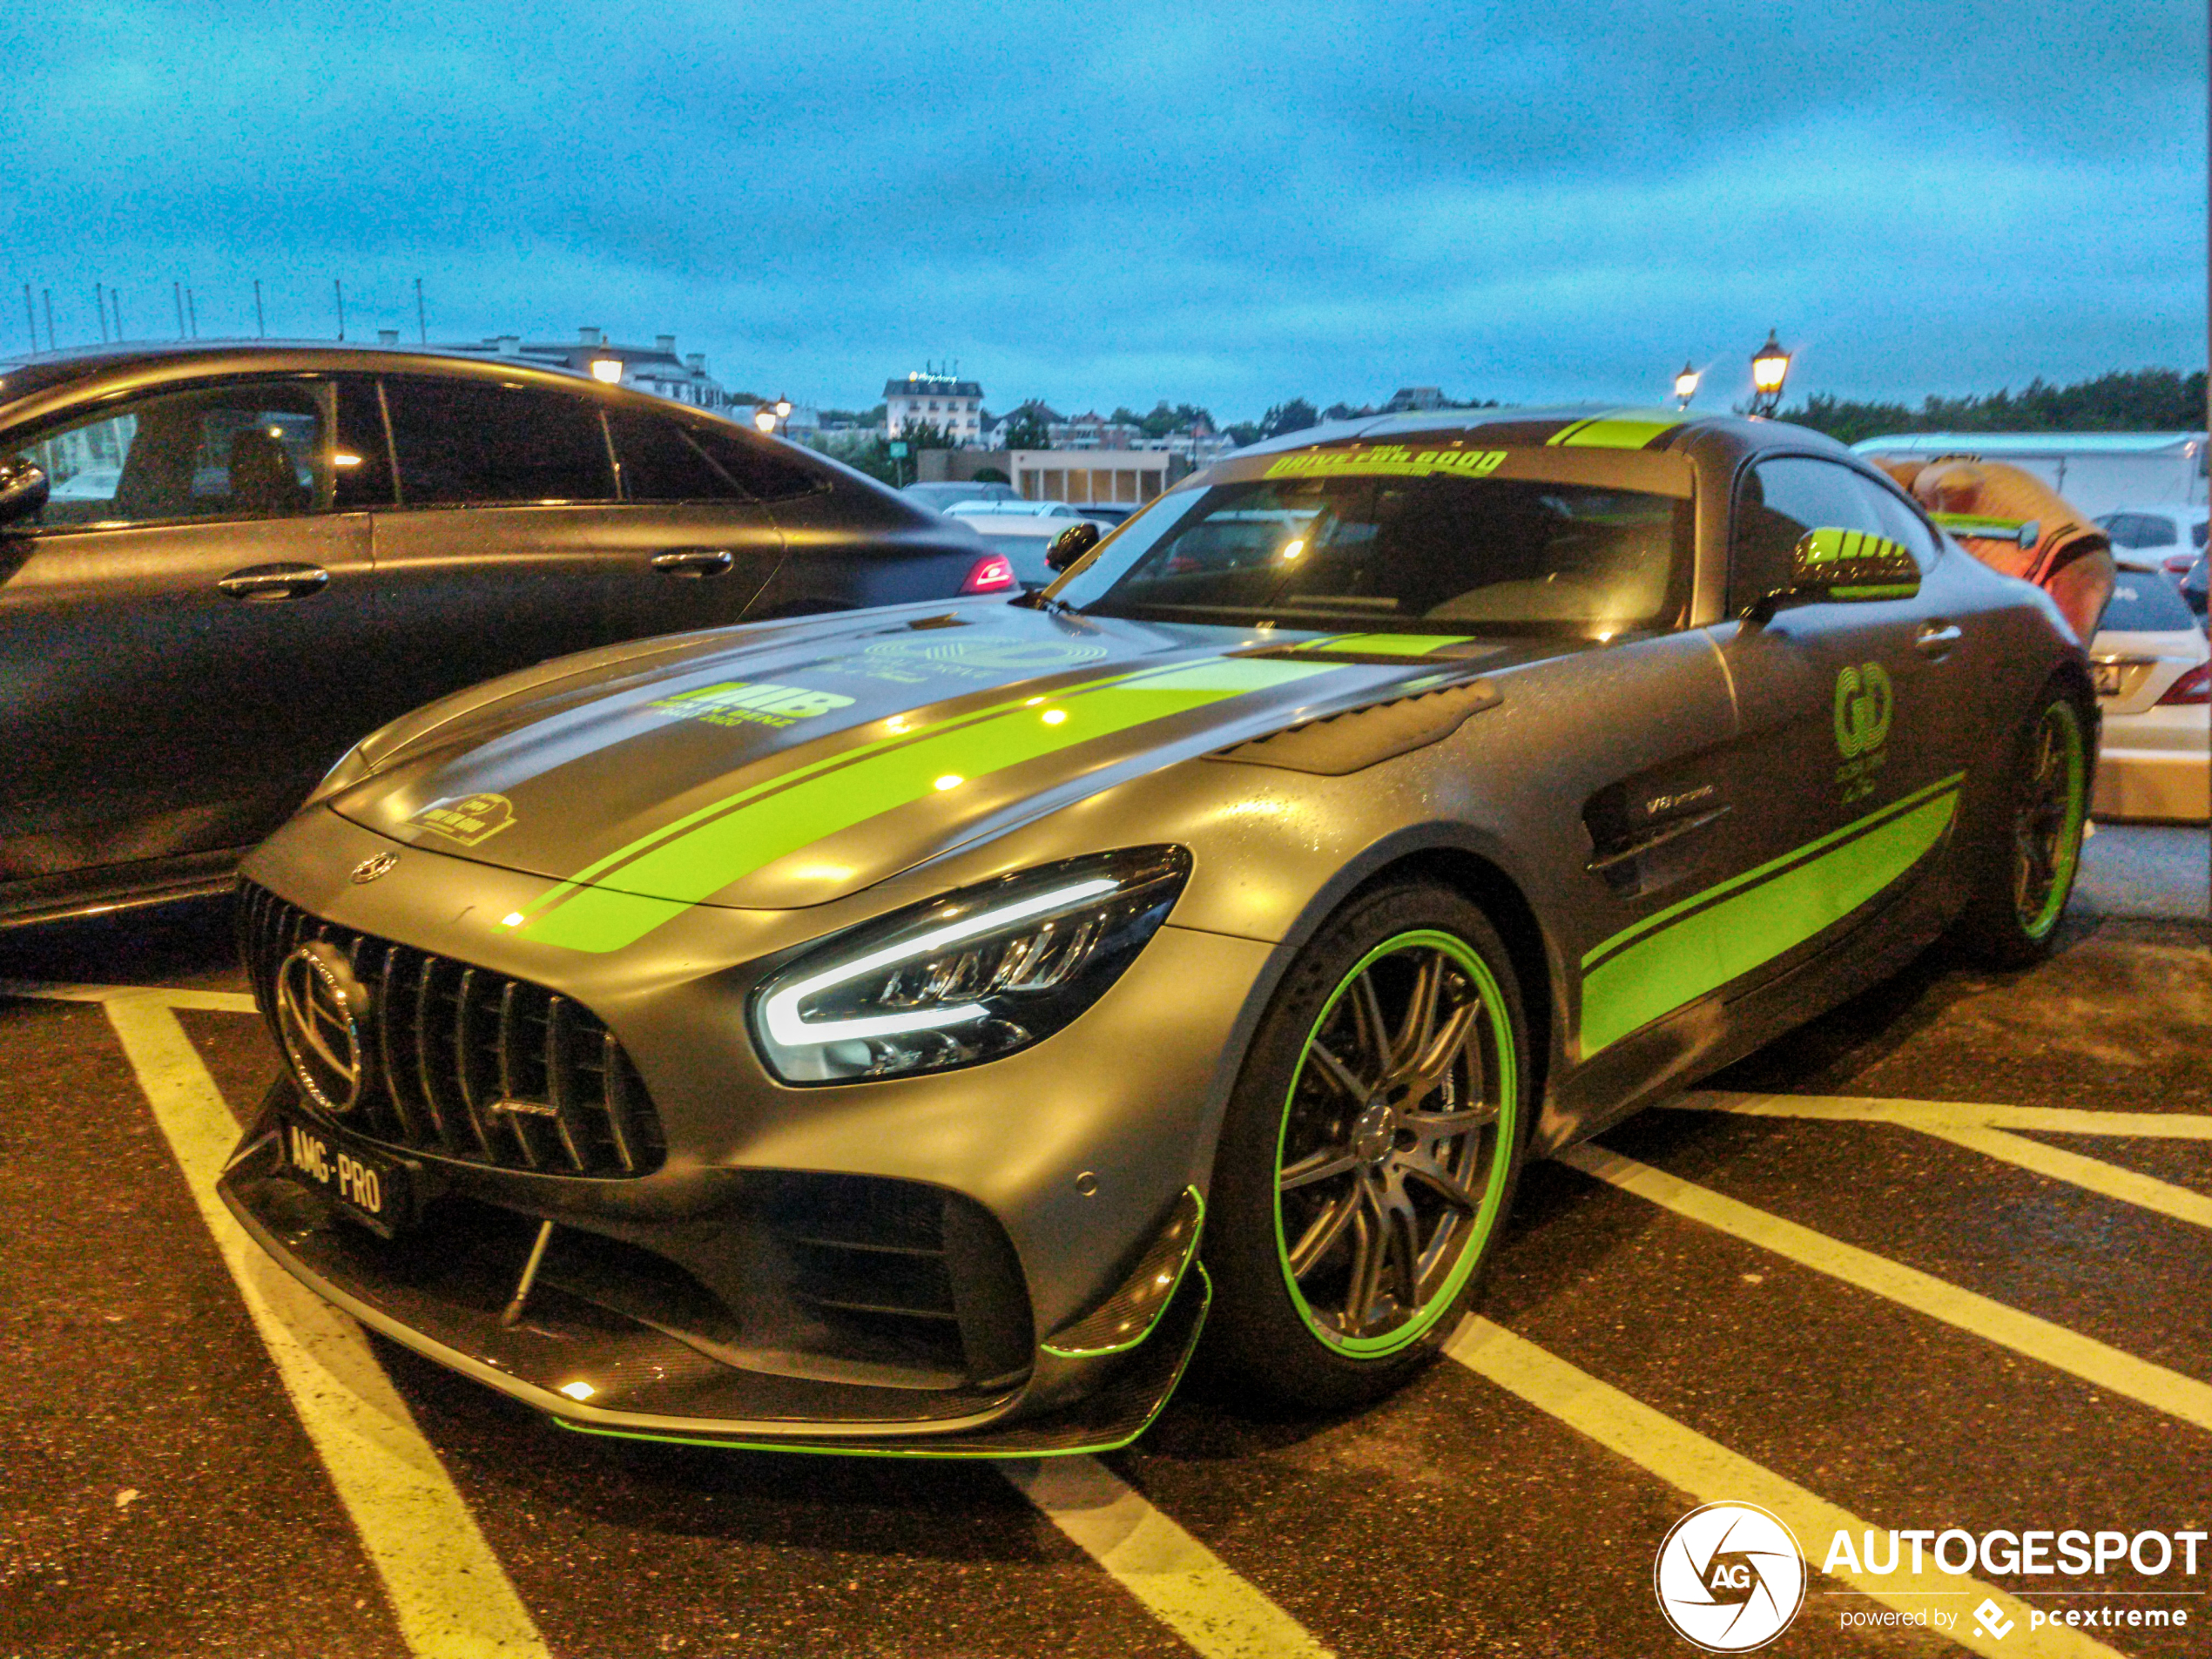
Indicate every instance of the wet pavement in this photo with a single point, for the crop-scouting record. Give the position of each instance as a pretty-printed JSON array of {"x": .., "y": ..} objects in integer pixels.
[{"x": 1855, "y": 1333}]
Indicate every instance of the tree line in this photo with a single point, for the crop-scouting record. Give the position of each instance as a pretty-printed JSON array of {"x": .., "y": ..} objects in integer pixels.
[{"x": 2143, "y": 400}]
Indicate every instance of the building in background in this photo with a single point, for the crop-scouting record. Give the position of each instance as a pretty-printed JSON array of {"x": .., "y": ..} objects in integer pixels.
[
  {"x": 654, "y": 368},
  {"x": 954, "y": 407},
  {"x": 1129, "y": 478},
  {"x": 1407, "y": 398}
]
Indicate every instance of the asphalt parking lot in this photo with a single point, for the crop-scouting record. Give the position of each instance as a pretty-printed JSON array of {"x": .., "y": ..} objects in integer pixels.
[{"x": 1937, "y": 1261}]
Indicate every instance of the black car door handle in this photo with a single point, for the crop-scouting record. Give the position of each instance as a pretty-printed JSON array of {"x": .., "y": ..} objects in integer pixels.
[
  {"x": 260, "y": 584},
  {"x": 1936, "y": 638},
  {"x": 694, "y": 561}
]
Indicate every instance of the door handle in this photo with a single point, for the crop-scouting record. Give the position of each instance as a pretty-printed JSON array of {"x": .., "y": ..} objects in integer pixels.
[
  {"x": 260, "y": 584},
  {"x": 694, "y": 562},
  {"x": 1936, "y": 638}
]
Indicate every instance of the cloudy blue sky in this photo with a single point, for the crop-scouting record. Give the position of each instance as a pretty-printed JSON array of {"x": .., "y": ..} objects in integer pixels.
[{"x": 1109, "y": 203}]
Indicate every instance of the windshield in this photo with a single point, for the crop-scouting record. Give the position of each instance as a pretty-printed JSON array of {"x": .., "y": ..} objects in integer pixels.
[{"x": 1362, "y": 547}]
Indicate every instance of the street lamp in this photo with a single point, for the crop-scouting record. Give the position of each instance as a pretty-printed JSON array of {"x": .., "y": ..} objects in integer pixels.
[
  {"x": 1770, "y": 368},
  {"x": 607, "y": 370},
  {"x": 1686, "y": 385},
  {"x": 765, "y": 418},
  {"x": 782, "y": 409}
]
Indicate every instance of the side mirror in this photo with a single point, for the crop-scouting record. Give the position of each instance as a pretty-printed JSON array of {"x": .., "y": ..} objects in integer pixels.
[
  {"x": 1843, "y": 566},
  {"x": 1071, "y": 544},
  {"x": 23, "y": 488}
]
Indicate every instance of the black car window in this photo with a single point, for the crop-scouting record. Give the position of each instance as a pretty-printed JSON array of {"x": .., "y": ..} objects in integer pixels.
[
  {"x": 1784, "y": 497},
  {"x": 660, "y": 462},
  {"x": 756, "y": 467},
  {"x": 2143, "y": 602},
  {"x": 254, "y": 450},
  {"x": 470, "y": 443}
]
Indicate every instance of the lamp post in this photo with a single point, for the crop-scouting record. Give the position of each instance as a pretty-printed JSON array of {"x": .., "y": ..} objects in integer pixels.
[
  {"x": 1770, "y": 368},
  {"x": 770, "y": 417},
  {"x": 607, "y": 370},
  {"x": 1686, "y": 385}
]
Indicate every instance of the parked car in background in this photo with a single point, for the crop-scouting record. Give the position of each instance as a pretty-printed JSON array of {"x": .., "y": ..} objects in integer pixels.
[
  {"x": 221, "y": 565},
  {"x": 938, "y": 497},
  {"x": 2193, "y": 587},
  {"x": 2171, "y": 535},
  {"x": 1024, "y": 531},
  {"x": 2154, "y": 685}
]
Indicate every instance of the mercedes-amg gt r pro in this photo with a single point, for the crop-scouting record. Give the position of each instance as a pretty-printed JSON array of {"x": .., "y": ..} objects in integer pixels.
[{"x": 887, "y": 1032}]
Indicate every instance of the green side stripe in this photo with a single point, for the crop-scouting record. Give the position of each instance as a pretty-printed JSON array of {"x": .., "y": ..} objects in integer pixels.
[
  {"x": 1659, "y": 919},
  {"x": 1754, "y": 925},
  {"x": 1896, "y": 590},
  {"x": 1967, "y": 524},
  {"x": 1616, "y": 430},
  {"x": 728, "y": 841}
]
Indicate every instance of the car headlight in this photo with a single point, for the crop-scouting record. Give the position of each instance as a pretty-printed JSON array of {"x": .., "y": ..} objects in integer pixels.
[
  {"x": 352, "y": 767},
  {"x": 970, "y": 977}
]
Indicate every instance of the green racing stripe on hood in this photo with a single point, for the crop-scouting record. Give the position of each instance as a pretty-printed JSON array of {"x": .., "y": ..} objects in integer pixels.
[
  {"x": 1616, "y": 430},
  {"x": 619, "y": 899}
]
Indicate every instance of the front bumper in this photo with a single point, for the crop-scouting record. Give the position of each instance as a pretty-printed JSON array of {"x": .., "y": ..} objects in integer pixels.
[
  {"x": 684, "y": 1297},
  {"x": 609, "y": 1339}
]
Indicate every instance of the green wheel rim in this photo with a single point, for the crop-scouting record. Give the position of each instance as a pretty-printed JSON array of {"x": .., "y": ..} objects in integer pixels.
[
  {"x": 2047, "y": 828},
  {"x": 1396, "y": 1143}
]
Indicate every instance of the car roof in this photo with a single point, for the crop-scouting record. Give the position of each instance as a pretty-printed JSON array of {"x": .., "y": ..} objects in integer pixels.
[
  {"x": 1589, "y": 426},
  {"x": 29, "y": 385}
]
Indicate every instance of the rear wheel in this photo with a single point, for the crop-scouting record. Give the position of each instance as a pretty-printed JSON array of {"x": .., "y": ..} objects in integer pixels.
[
  {"x": 1370, "y": 1152},
  {"x": 2029, "y": 860}
]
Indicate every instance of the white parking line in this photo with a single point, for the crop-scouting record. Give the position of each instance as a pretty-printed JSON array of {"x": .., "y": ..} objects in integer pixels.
[
  {"x": 2094, "y": 1362},
  {"x": 449, "y": 1593},
  {"x": 1711, "y": 1474},
  {"x": 1927, "y": 1114},
  {"x": 1179, "y": 1580}
]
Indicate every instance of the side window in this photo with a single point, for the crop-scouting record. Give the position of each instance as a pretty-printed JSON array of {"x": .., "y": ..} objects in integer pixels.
[
  {"x": 242, "y": 451},
  {"x": 660, "y": 462},
  {"x": 757, "y": 470},
  {"x": 1779, "y": 502},
  {"x": 1900, "y": 523},
  {"x": 472, "y": 443}
]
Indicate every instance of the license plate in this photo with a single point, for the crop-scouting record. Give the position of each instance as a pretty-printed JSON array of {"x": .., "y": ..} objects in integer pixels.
[{"x": 369, "y": 1187}]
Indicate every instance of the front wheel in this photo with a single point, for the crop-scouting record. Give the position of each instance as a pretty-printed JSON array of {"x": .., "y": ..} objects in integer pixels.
[
  {"x": 2028, "y": 862},
  {"x": 1370, "y": 1151}
]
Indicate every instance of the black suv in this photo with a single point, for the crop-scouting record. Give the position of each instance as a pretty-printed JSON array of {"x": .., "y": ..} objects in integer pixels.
[{"x": 222, "y": 564}]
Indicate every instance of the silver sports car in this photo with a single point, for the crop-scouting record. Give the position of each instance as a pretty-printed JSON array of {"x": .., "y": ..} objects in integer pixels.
[{"x": 892, "y": 1031}]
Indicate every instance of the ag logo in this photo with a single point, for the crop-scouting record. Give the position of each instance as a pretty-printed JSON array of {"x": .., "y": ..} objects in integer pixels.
[
  {"x": 1729, "y": 1577},
  {"x": 466, "y": 820},
  {"x": 1864, "y": 704},
  {"x": 319, "y": 1009}
]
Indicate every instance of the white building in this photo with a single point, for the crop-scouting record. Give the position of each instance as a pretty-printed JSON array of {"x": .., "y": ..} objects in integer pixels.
[
  {"x": 955, "y": 407},
  {"x": 1127, "y": 476},
  {"x": 654, "y": 368}
]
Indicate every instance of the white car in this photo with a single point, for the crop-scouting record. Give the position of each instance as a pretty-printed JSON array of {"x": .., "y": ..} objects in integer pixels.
[
  {"x": 2154, "y": 684},
  {"x": 2169, "y": 535}
]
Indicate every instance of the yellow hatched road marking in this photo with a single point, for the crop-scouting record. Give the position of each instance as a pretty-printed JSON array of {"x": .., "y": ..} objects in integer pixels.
[
  {"x": 2110, "y": 1180},
  {"x": 449, "y": 1595},
  {"x": 1180, "y": 1581},
  {"x": 2094, "y": 1362},
  {"x": 1711, "y": 1474},
  {"x": 1927, "y": 1114},
  {"x": 170, "y": 996}
]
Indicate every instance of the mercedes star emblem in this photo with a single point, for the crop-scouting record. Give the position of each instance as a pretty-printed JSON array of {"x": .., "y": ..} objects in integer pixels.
[
  {"x": 369, "y": 868},
  {"x": 320, "y": 1008}
]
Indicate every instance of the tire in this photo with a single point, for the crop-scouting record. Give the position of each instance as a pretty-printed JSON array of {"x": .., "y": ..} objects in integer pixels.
[
  {"x": 1333, "y": 1289},
  {"x": 2027, "y": 857}
]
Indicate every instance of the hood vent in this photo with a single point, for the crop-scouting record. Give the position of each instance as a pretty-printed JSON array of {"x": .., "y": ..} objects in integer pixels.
[{"x": 1336, "y": 745}]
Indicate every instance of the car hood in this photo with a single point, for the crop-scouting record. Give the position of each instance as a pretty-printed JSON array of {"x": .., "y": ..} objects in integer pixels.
[{"x": 792, "y": 766}]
